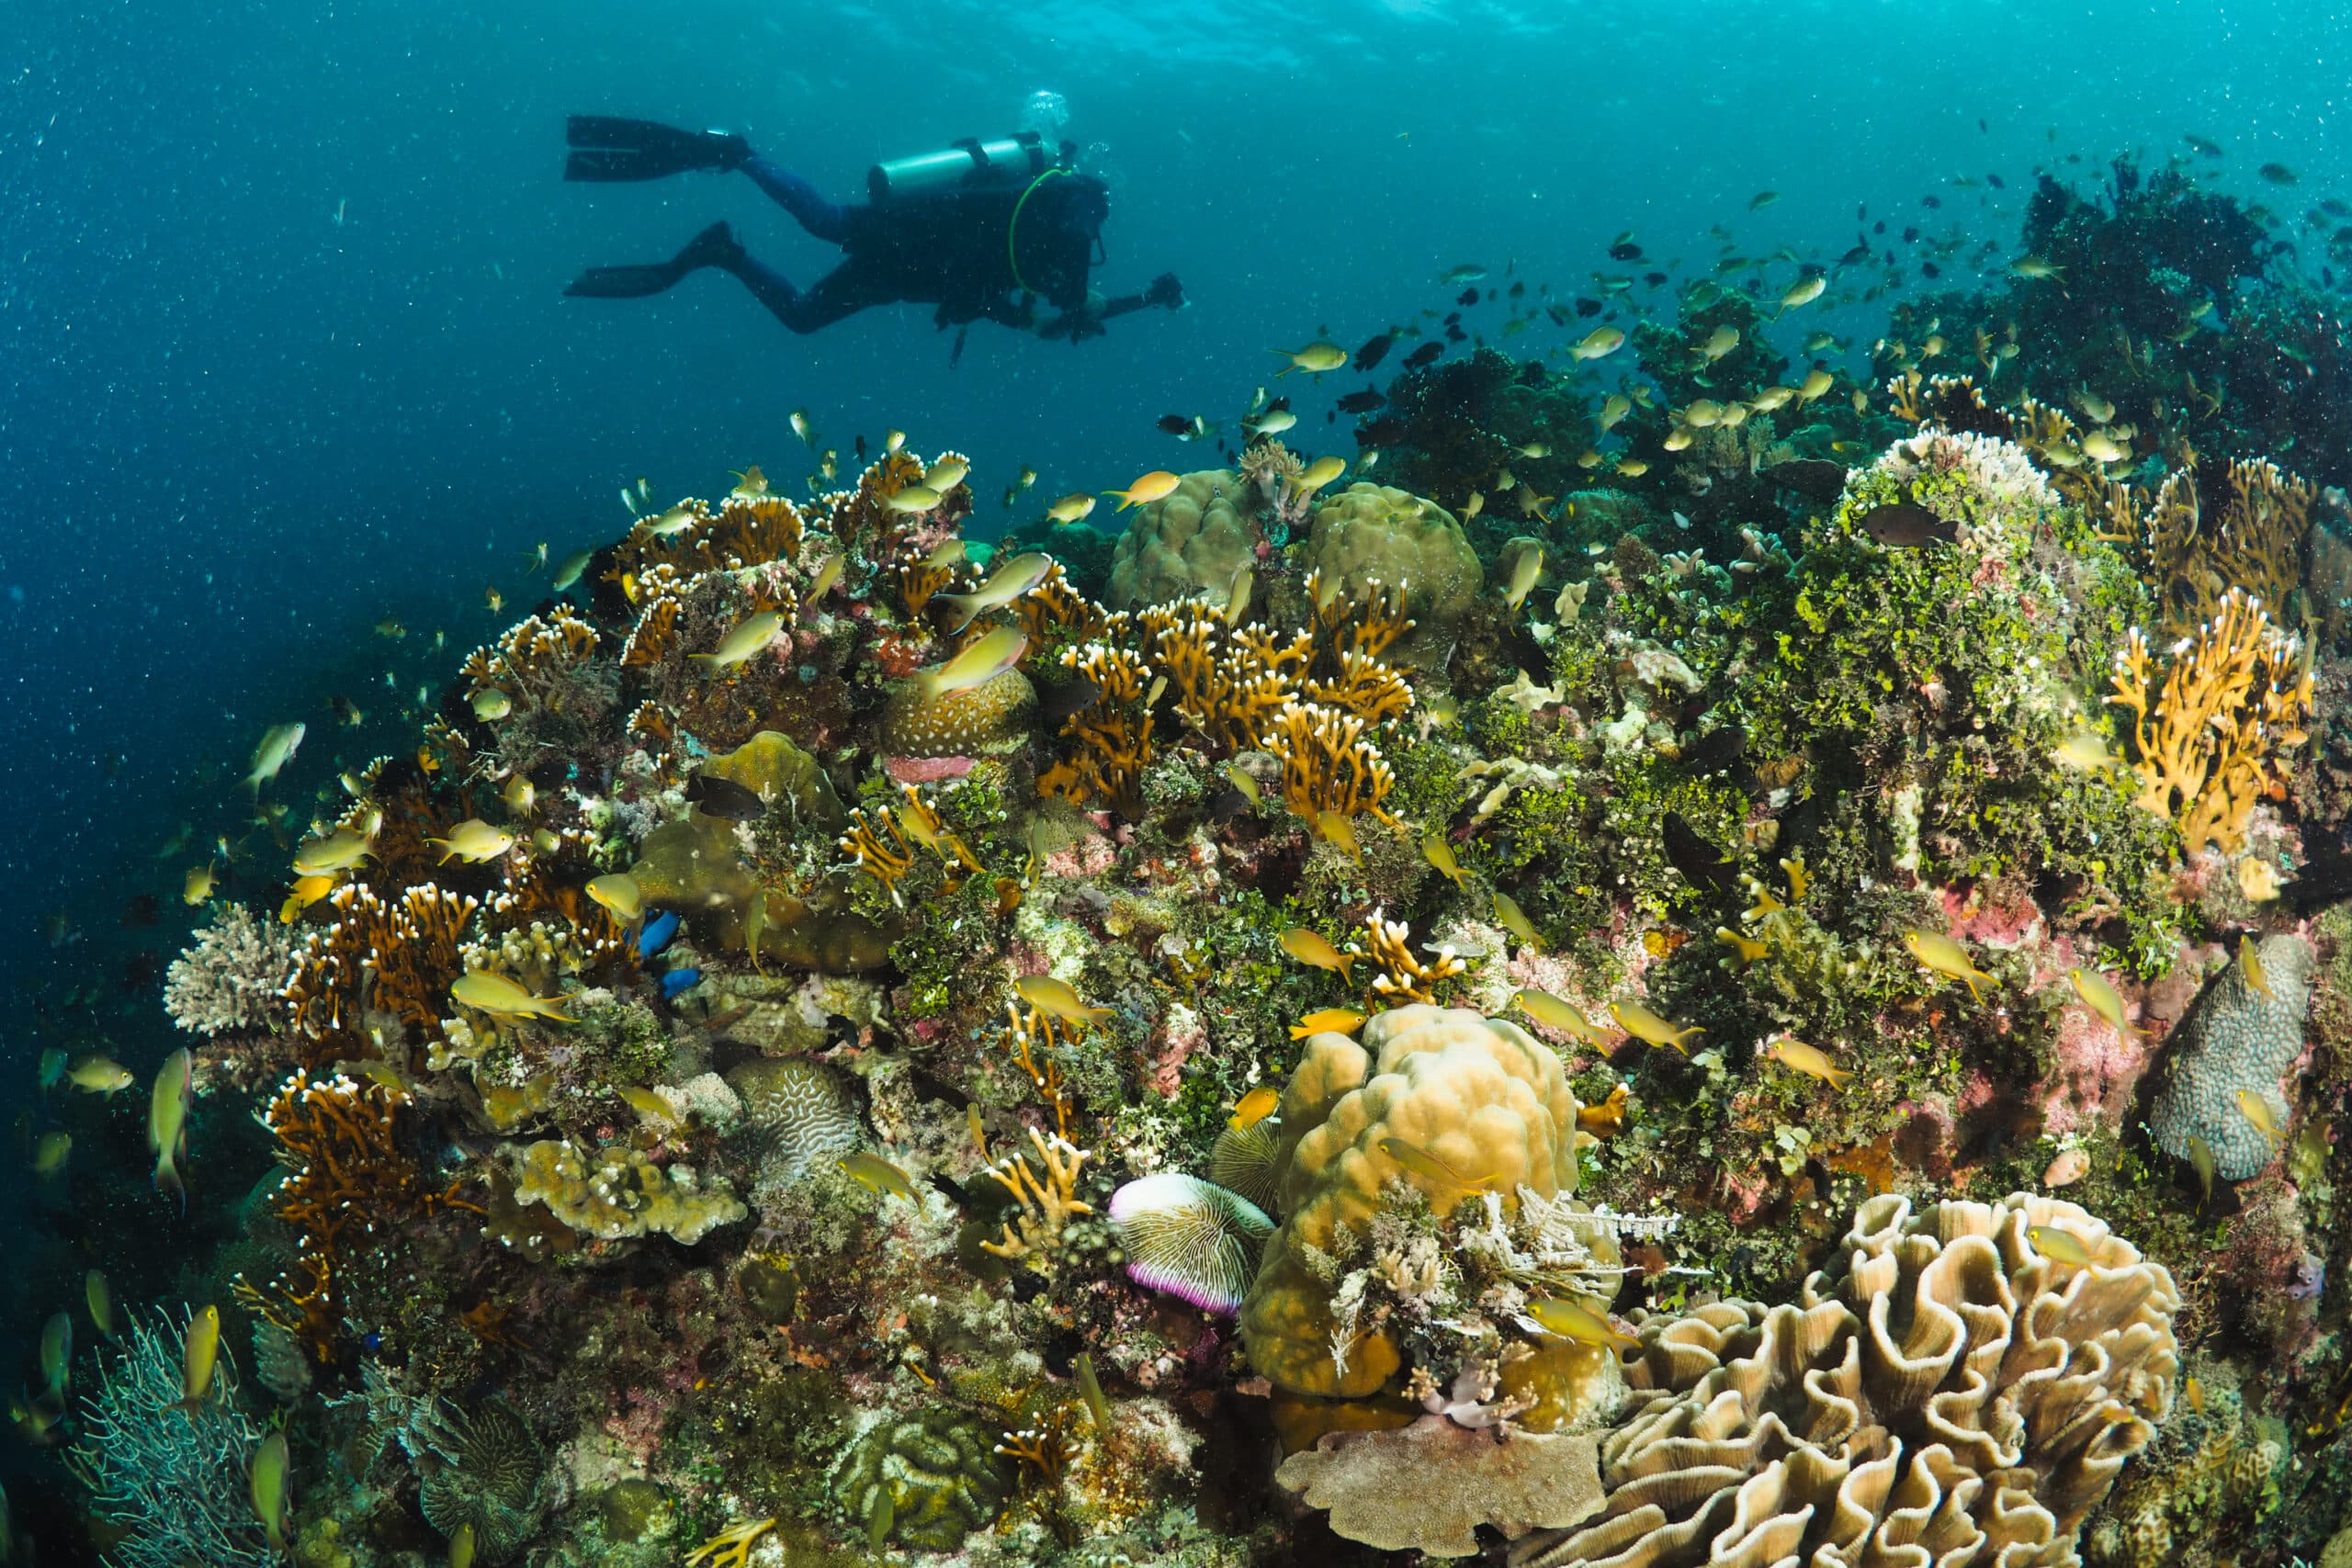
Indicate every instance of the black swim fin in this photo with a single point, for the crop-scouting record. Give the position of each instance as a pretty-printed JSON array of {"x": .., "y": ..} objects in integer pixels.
[
  {"x": 715, "y": 246},
  {"x": 607, "y": 148}
]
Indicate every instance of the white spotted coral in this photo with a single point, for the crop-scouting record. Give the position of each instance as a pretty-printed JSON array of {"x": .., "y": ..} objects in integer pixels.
[{"x": 2236, "y": 1039}]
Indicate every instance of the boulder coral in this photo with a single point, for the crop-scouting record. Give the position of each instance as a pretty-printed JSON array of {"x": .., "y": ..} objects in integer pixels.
[
  {"x": 2239, "y": 1039},
  {"x": 1192, "y": 541},
  {"x": 1950, "y": 1392},
  {"x": 1468, "y": 1094},
  {"x": 1370, "y": 534}
]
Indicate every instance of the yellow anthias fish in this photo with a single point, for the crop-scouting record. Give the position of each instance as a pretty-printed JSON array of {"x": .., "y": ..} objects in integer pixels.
[
  {"x": 1599, "y": 344},
  {"x": 1427, "y": 1167},
  {"x": 487, "y": 991},
  {"x": 2200, "y": 1160},
  {"x": 1704, "y": 413},
  {"x": 199, "y": 1354},
  {"x": 522, "y": 797},
  {"x": 51, "y": 1153},
  {"x": 1157, "y": 485},
  {"x": 2256, "y": 1110},
  {"x": 1805, "y": 291},
  {"x": 882, "y": 1176},
  {"x": 336, "y": 851},
  {"x": 1070, "y": 508},
  {"x": 1613, "y": 408},
  {"x": 750, "y": 636},
  {"x": 278, "y": 744},
  {"x": 619, "y": 893},
  {"x": 307, "y": 891},
  {"x": 268, "y": 1477},
  {"x": 1678, "y": 439},
  {"x": 1315, "y": 358},
  {"x": 99, "y": 1074},
  {"x": 1816, "y": 384},
  {"x": 650, "y": 1107},
  {"x": 1772, "y": 397},
  {"x": 983, "y": 661},
  {"x": 1566, "y": 1017},
  {"x": 1948, "y": 958},
  {"x": 474, "y": 841},
  {"x": 1643, "y": 1024},
  {"x": 1808, "y": 1059},
  {"x": 1720, "y": 342},
  {"x": 2101, "y": 998},
  {"x": 1313, "y": 948},
  {"x": 2035, "y": 267},
  {"x": 2085, "y": 752},
  {"x": 490, "y": 705},
  {"x": 946, "y": 474},
  {"x": 2250, "y": 966},
  {"x": 1572, "y": 1320},
  {"x": 1005, "y": 585},
  {"x": 1320, "y": 472},
  {"x": 1057, "y": 998},
  {"x": 1254, "y": 1107},
  {"x": 1523, "y": 574},
  {"x": 1328, "y": 1021},
  {"x": 2060, "y": 1245},
  {"x": 829, "y": 572},
  {"x": 167, "y": 1124},
  {"x": 1514, "y": 919},
  {"x": 912, "y": 499},
  {"x": 99, "y": 1295},
  {"x": 1338, "y": 831},
  {"x": 1440, "y": 854},
  {"x": 461, "y": 1546},
  {"x": 197, "y": 886}
]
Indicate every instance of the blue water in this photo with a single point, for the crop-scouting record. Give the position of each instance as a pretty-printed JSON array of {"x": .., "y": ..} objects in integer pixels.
[{"x": 283, "y": 349}]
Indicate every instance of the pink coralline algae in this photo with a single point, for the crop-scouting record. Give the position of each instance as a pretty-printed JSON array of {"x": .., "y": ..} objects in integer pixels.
[{"x": 2095, "y": 1072}]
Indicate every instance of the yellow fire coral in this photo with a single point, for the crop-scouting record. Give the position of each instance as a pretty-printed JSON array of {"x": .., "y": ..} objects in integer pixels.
[
  {"x": 1404, "y": 978},
  {"x": 2194, "y": 558},
  {"x": 2235, "y": 695},
  {"x": 532, "y": 658},
  {"x": 1113, "y": 733},
  {"x": 377, "y": 959},
  {"x": 1327, "y": 763},
  {"x": 1476, "y": 1096}
]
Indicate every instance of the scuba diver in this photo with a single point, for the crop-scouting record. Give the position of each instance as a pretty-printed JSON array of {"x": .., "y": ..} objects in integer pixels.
[{"x": 980, "y": 230}]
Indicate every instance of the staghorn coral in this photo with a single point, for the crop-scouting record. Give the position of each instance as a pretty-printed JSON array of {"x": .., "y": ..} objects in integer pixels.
[
  {"x": 2235, "y": 695},
  {"x": 1946, "y": 1393},
  {"x": 2236, "y": 1039},
  {"x": 925, "y": 1481},
  {"x": 233, "y": 980},
  {"x": 1475, "y": 1093},
  {"x": 1369, "y": 534},
  {"x": 1193, "y": 540},
  {"x": 169, "y": 1478},
  {"x": 614, "y": 1191}
]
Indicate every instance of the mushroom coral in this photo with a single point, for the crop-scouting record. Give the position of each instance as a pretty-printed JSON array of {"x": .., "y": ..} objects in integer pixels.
[
  {"x": 1950, "y": 1393},
  {"x": 1477, "y": 1095}
]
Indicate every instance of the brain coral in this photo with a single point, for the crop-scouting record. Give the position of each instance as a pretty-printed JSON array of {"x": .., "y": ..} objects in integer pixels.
[
  {"x": 990, "y": 716},
  {"x": 2236, "y": 1038},
  {"x": 1196, "y": 538},
  {"x": 480, "y": 1467},
  {"x": 925, "y": 1481},
  {"x": 1950, "y": 1396},
  {"x": 1370, "y": 533},
  {"x": 1475, "y": 1093},
  {"x": 805, "y": 1110}
]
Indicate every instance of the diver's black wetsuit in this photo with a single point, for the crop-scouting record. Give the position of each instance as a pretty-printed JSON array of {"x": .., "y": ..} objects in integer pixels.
[{"x": 978, "y": 252}]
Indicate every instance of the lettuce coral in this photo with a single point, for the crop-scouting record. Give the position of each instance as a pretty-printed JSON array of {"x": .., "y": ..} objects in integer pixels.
[{"x": 1947, "y": 1394}]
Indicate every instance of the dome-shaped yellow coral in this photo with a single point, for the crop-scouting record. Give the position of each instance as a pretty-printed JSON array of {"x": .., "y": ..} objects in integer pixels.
[
  {"x": 1477, "y": 1095},
  {"x": 1370, "y": 533},
  {"x": 986, "y": 718},
  {"x": 1194, "y": 539}
]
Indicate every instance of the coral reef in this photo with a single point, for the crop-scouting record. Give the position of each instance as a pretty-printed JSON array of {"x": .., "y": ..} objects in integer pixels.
[{"x": 2237, "y": 1040}]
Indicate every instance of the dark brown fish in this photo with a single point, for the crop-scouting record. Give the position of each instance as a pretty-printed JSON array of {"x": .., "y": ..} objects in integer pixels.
[
  {"x": 1057, "y": 702},
  {"x": 1226, "y": 804},
  {"x": 1455, "y": 334},
  {"x": 1423, "y": 355},
  {"x": 1716, "y": 749},
  {"x": 1626, "y": 251},
  {"x": 1360, "y": 402},
  {"x": 1703, "y": 865},
  {"x": 1654, "y": 279},
  {"x": 1175, "y": 425},
  {"x": 714, "y": 796},
  {"x": 1375, "y": 350},
  {"x": 1467, "y": 297},
  {"x": 1815, "y": 478},
  {"x": 1587, "y": 308},
  {"x": 1907, "y": 526}
]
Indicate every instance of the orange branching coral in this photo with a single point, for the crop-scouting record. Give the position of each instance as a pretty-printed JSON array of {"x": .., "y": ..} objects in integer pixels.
[
  {"x": 1365, "y": 687},
  {"x": 1113, "y": 733},
  {"x": 927, "y": 827},
  {"x": 1403, "y": 979},
  {"x": 877, "y": 848},
  {"x": 1055, "y": 611},
  {"x": 378, "y": 960},
  {"x": 1229, "y": 688},
  {"x": 350, "y": 1184},
  {"x": 534, "y": 657},
  {"x": 1048, "y": 1202},
  {"x": 1045, "y": 1448},
  {"x": 1033, "y": 1040},
  {"x": 1342, "y": 625},
  {"x": 1903, "y": 395},
  {"x": 919, "y": 578},
  {"x": 1327, "y": 763},
  {"x": 2235, "y": 695},
  {"x": 655, "y": 636}
]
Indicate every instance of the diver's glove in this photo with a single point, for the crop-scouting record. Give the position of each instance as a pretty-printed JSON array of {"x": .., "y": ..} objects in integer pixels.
[
  {"x": 729, "y": 150},
  {"x": 1165, "y": 290}
]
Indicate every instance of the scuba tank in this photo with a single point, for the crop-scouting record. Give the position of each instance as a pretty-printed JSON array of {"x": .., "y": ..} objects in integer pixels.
[{"x": 1006, "y": 161}]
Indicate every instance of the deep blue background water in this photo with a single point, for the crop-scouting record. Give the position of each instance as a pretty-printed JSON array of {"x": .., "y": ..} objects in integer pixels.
[{"x": 235, "y": 431}]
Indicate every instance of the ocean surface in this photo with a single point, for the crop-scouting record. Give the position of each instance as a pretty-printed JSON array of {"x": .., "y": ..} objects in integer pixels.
[{"x": 284, "y": 351}]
